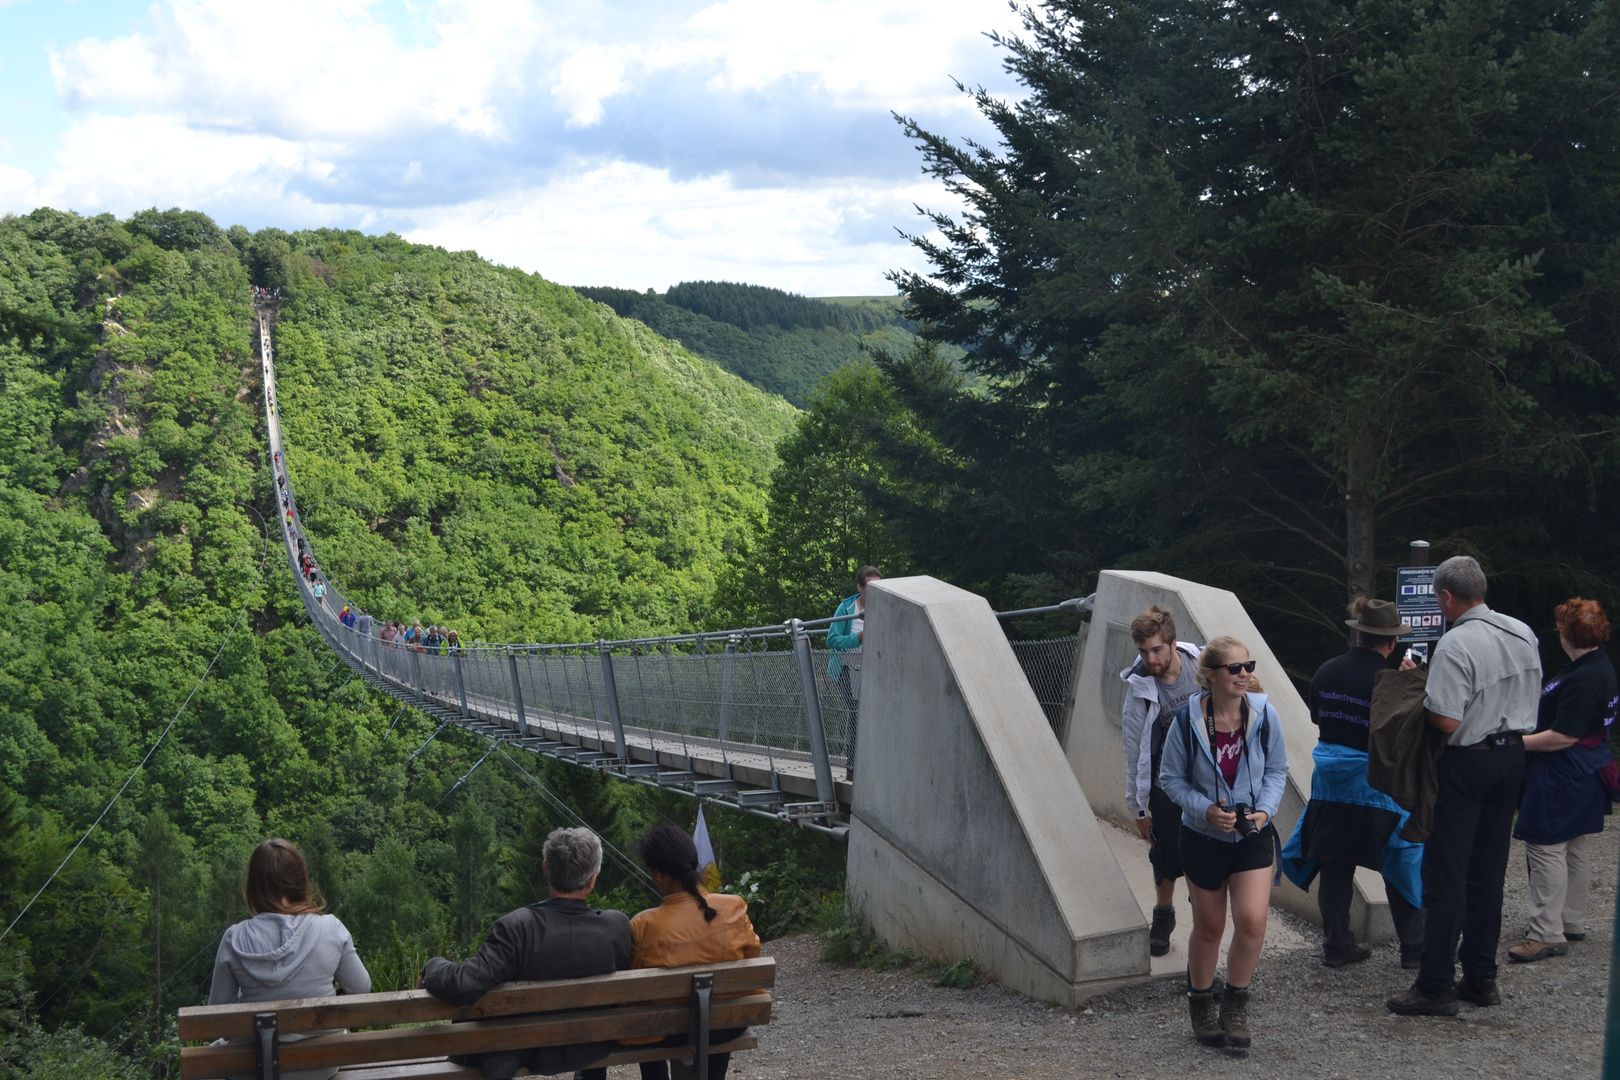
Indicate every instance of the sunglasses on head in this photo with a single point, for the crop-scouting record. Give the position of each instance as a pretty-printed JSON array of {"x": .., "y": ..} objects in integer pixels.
[{"x": 1233, "y": 669}]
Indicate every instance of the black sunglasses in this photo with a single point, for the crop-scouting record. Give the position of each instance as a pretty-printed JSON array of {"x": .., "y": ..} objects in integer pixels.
[{"x": 1233, "y": 669}]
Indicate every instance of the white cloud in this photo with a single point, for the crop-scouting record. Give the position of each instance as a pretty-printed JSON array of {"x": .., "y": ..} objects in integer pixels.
[
  {"x": 310, "y": 69},
  {"x": 124, "y": 163},
  {"x": 640, "y": 141},
  {"x": 585, "y": 79},
  {"x": 636, "y": 227},
  {"x": 887, "y": 54}
]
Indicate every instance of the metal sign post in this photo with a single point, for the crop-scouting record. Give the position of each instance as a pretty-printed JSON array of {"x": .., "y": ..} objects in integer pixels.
[{"x": 1416, "y": 603}]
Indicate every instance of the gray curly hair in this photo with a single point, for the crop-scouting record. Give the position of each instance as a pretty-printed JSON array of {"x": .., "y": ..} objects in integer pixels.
[{"x": 572, "y": 857}]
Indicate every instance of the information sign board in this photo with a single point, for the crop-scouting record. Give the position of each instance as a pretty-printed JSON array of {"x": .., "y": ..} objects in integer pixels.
[{"x": 1417, "y": 604}]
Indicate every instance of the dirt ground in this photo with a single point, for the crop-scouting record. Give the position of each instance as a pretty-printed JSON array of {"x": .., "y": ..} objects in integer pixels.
[{"x": 1310, "y": 1021}]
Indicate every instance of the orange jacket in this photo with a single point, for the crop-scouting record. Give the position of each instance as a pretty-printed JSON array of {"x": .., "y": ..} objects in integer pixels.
[{"x": 675, "y": 933}]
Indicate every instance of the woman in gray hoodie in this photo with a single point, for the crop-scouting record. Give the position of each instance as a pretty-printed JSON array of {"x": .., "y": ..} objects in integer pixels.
[{"x": 288, "y": 949}]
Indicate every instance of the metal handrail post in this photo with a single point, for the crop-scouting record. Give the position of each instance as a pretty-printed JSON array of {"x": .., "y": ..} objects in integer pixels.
[
  {"x": 620, "y": 747},
  {"x": 517, "y": 695},
  {"x": 825, "y": 792},
  {"x": 461, "y": 682},
  {"x": 728, "y": 674}
]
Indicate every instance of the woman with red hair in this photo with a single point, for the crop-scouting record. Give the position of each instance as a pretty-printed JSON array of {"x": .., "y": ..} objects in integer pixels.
[{"x": 1567, "y": 783}]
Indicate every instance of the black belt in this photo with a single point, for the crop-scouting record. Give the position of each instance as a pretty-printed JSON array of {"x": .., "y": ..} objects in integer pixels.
[{"x": 1496, "y": 742}]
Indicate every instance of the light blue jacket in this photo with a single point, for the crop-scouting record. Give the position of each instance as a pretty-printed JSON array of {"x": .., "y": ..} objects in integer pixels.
[
  {"x": 841, "y": 638},
  {"x": 1196, "y": 785}
]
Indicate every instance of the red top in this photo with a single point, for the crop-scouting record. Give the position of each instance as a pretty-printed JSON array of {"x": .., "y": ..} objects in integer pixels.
[{"x": 1228, "y": 749}]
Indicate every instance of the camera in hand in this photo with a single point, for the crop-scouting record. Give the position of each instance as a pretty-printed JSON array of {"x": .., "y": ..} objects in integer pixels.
[{"x": 1244, "y": 826}]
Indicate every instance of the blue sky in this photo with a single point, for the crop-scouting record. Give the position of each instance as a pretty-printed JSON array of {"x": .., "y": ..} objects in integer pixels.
[{"x": 633, "y": 143}]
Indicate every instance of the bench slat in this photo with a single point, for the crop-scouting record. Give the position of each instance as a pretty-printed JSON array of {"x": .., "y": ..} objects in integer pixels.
[
  {"x": 510, "y": 1033},
  {"x": 201, "y": 1023},
  {"x": 446, "y": 1070}
]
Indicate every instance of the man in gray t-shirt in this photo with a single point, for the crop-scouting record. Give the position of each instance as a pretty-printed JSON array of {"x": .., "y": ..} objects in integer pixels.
[
  {"x": 1161, "y": 680},
  {"x": 1483, "y": 688},
  {"x": 1173, "y": 696}
]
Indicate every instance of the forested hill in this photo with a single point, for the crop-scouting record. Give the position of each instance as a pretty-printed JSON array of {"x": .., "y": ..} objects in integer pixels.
[
  {"x": 780, "y": 341},
  {"x": 473, "y": 445}
]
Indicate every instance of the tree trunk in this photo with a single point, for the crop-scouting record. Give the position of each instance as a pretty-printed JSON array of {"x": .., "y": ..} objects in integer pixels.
[
  {"x": 1358, "y": 529},
  {"x": 157, "y": 908}
]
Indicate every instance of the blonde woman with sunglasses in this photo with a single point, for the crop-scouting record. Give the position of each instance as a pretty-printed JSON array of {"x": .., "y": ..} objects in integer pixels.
[{"x": 1226, "y": 766}]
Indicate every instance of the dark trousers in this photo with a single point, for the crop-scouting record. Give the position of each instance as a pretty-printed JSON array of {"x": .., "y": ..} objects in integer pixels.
[
  {"x": 718, "y": 1063},
  {"x": 1465, "y": 861},
  {"x": 660, "y": 1070},
  {"x": 846, "y": 690},
  {"x": 1334, "y": 889}
]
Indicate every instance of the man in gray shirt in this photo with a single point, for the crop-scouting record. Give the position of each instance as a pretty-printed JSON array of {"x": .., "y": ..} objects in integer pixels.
[
  {"x": 1483, "y": 689},
  {"x": 1161, "y": 680}
]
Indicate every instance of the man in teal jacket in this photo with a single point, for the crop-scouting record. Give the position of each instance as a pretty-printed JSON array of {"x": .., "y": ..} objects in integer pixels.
[{"x": 845, "y": 636}]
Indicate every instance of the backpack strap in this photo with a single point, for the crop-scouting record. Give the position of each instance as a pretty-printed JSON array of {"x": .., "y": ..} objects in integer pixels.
[{"x": 1186, "y": 732}]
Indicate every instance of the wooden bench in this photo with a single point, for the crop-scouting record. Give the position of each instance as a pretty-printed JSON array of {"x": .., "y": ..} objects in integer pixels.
[{"x": 408, "y": 1035}]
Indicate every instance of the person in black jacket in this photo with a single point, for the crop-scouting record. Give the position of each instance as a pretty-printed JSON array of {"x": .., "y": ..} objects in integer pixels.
[{"x": 558, "y": 938}]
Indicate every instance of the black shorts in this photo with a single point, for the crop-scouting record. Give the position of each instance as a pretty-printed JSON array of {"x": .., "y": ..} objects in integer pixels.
[
  {"x": 1165, "y": 854},
  {"x": 1208, "y": 862}
]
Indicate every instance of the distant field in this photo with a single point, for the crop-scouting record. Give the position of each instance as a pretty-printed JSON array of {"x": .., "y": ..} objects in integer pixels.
[{"x": 892, "y": 302}]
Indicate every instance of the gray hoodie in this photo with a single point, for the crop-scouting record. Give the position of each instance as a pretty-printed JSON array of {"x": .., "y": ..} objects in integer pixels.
[{"x": 272, "y": 957}]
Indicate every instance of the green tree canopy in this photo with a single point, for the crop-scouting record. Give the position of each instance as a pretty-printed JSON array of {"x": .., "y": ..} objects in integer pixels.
[{"x": 1261, "y": 292}]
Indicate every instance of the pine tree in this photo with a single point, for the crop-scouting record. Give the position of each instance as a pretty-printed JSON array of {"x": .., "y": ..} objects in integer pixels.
[{"x": 1259, "y": 292}]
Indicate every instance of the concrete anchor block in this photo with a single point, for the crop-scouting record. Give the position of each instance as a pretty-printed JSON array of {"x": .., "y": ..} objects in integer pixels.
[{"x": 969, "y": 835}]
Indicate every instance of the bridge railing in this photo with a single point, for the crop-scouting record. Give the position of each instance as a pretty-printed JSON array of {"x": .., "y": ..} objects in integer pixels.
[{"x": 762, "y": 694}]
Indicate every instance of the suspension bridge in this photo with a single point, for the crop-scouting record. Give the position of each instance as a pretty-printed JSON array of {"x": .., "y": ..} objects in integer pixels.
[
  {"x": 748, "y": 718},
  {"x": 989, "y": 768}
]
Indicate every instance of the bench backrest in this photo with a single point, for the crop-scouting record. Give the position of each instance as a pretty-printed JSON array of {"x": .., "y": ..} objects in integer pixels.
[{"x": 625, "y": 1005}]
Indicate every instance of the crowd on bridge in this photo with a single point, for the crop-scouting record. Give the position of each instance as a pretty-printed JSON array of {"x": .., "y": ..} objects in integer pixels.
[
  {"x": 412, "y": 635},
  {"x": 1423, "y": 772},
  {"x": 290, "y": 948},
  {"x": 261, "y": 295}
]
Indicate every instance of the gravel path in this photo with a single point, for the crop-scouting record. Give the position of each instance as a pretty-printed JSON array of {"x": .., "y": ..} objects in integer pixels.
[{"x": 1310, "y": 1021}]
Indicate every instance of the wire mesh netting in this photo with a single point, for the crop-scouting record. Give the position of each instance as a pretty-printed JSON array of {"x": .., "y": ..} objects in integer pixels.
[{"x": 1049, "y": 667}]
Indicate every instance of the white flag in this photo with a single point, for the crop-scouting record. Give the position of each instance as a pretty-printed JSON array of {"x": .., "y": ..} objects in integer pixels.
[{"x": 708, "y": 865}]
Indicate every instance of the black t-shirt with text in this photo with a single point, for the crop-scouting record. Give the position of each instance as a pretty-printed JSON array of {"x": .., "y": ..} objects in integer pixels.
[
  {"x": 1581, "y": 700},
  {"x": 1341, "y": 697}
]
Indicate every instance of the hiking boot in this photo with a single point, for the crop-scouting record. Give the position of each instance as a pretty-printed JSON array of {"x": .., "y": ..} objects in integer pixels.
[
  {"x": 1164, "y": 921},
  {"x": 1416, "y": 1003},
  {"x": 1411, "y": 961},
  {"x": 1481, "y": 992},
  {"x": 1574, "y": 935},
  {"x": 1530, "y": 950},
  {"x": 1355, "y": 956},
  {"x": 1235, "y": 1017},
  {"x": 1206, "y": 1022}
]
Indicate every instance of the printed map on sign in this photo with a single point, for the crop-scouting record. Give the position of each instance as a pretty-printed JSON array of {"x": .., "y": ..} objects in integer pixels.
[{"x": 1416, "y": 602}]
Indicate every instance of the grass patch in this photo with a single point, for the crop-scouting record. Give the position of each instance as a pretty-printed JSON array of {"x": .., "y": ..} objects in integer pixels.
[
  {"x": 850, "y": 939},
  {"x": 962, "y": 975}
]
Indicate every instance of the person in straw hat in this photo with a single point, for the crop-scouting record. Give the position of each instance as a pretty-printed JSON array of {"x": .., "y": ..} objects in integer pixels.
[{"x": 1348, "y": 823}]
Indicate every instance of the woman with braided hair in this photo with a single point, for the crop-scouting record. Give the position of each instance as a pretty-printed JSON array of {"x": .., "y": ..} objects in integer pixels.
[{"x": 691, "y": 926}]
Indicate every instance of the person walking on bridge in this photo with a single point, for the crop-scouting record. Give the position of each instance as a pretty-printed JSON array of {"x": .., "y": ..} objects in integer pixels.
[
  {"x": 1347, "y": 823},
  {"x": 1483, "y": 688},
  {"x": 1161, "y": 680},
  {"x": 1225, "y": 765},
  {"x": 845, "y": 636}
]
